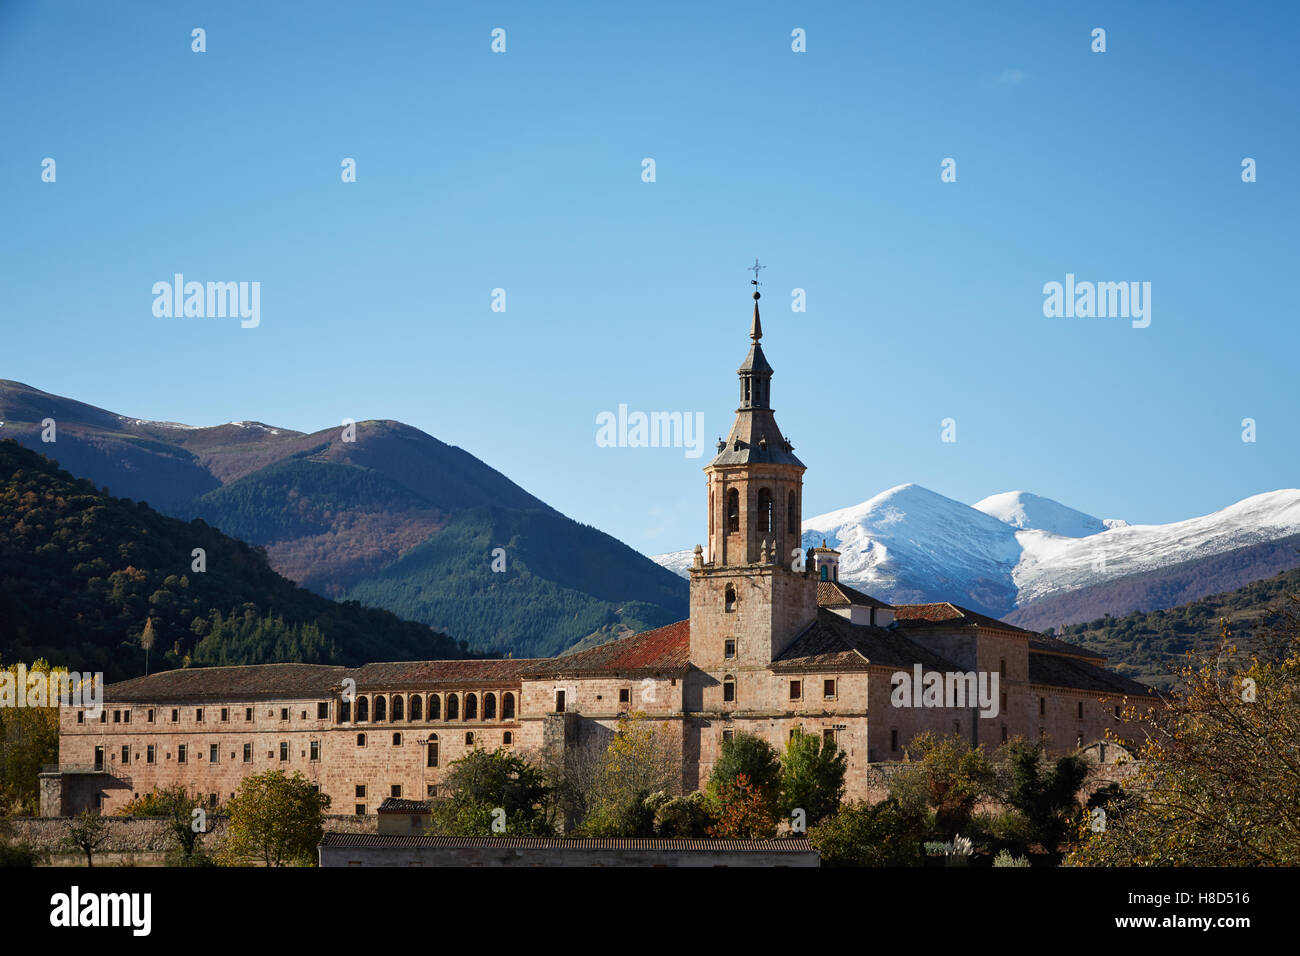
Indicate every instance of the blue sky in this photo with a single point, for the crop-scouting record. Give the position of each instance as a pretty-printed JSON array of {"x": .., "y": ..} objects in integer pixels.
[{"x": 522, "y": 171}]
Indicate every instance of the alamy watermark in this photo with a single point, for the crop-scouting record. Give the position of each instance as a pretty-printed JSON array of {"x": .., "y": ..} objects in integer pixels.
[
  {"x": 1100, "y": 300},
  {"x": 651, "y": 430},
  {"x": 21, "y": 688},
  {"x": 922, "y": 688},
  {"x": 199, "y": 300}
]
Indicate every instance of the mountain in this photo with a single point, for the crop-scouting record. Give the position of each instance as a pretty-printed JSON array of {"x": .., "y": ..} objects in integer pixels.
[
  {"x": 362, "y": 520},
  {"x": 81, "y": 573},
  {"x": 1039, "y": 563},
  {"x": 1148, "y": 646}
]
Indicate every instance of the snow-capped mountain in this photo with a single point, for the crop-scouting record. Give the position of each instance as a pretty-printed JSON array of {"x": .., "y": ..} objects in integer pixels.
[{"x": 910, "y": 544}]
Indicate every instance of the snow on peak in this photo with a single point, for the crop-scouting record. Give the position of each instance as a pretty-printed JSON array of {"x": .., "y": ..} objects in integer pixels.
[{"x": 1025, "y": 511}]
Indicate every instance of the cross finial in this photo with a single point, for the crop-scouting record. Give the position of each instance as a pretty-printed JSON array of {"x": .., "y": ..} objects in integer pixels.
[{"x": 754, "y": 269}]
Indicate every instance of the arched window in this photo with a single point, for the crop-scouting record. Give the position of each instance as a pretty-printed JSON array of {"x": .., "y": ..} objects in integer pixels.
[
  {"x": 397, "y": 707},
  {"x": 764, "y": 509},
  {"x": 397, "y": 739},
  {"x": 363, "y": 709},
  {"x": 453, "y": 707},
  {"x": 730, "y": 598},
  {"x": 471, "y": 707},
  {"x": 507, "y": 738},
  {"x": 733, "y": 510},
  {"x": 345, "y": 711},
  {"x": 792, "y": 514},
  {"x": 417, "y": 707},
  {"x": 729, "y": 689},
  {"x": 432, "y": 759},
  {"x": 435, "y": 707},
  {"x": 507, "y": 706},
  {"x": 469, "y": 739},
  {"x": 380, "y": 707},
  {"x": 489, "y": 706}
]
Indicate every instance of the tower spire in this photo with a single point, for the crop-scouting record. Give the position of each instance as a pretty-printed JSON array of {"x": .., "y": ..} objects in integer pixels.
[{"x": 756, "y": 329}]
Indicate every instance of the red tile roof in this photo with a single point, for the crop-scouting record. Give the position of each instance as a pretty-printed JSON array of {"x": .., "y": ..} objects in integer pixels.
[
  {"x": 398, "y": 674},
  {"x": 835, "y": 594},
  {"x": 239, "y": 682},
  {"x": 662, "y": 650},
  {"x": 946, "y": 614},
  {"x": 833, "y": 643}
]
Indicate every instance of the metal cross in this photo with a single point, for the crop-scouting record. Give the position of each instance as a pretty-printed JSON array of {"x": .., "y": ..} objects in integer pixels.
[{"x": 754, "y": 269}]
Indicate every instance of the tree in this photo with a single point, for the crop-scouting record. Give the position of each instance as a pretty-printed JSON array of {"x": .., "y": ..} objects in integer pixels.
[
  {"x": 812, "y": 776},
  {"x": 1217, "y": 783},
  {"x": 743, "y": 812},
  {"x": 29, "y": 739},
  {"x": 1047, "y": 800},
  {"x": 757, "y": 760},
  {"x": 858, "y": 834},
  {"x": 147, "y": 638},
  {"x": 950, "y": 777},
  {"x": 86, "y": 832},
  {"x": 484, "y": 789},
  {"x": 275, "y": 818},
  {"x": 178, "y": 808},
  {"x": 643, "y": 759}
]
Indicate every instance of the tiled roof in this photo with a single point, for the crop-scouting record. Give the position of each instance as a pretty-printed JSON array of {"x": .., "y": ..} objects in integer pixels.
[
  {"x": 662, "y": 650},
  {"x": 833, "y": 643},
  {"x": 243, "y": 682},
  {"x": 1051, "y": 645},
  {"x": 835, "y": 594},
  {"x": 400, "y": 805},
  {"x": 791, "y": 845},
  {"x": 1055, "y": 670},
  {"x": 398, "y": 674},
  {"x": 946, "y": 614}
]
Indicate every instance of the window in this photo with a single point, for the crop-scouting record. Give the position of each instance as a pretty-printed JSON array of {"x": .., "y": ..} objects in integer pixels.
[
  {"x": 1004, "y": 701},
  {"x": 792, "y": 514},
  {"x": 1042, "y": 706},
  {"x": 764, "y": 509},
  {"x": 315, "y": 750},
  {"x": 81, "y": 716},
  {"x": 825, "y": 572},
  {"x": 471, "y": 707},
  {"x": 796, "y": 690},
  {"x": 435, "y": 707},
  {"x": 395, "y": 790},
  {"x": 322, "y": 710},
  {"x": 1004, "y": 733},
  {"x": 728, "y": 734},
  {"x": 893, "y": 741},
  {"x": 126, "y": 753},
  {"x": 507, "y": 738},
  {"x": 398, "y": 705},
  {"x": 828, "y": 735},
  {"x": 150, "y": 754},
  {"x": 176, "y": 715},
  {"x": 729, "y": 648},
  {"x": 126, "y": 716},
  {"x": 248, "y": 713},
  {"x": 363, "y": 709},
  {"x": 198, "y": 715},
  {"x": 729, "y": 598},
  {"x": 181, "y": 753},
  {"x": 431, "y": 790},
  {"x": 381, "y": 707},
  {"x": 345, "y": 711},
  {"x": 507, "y": 706},
  {"x": 625, "y": 695},
  {"x": 1002, "y": 667},
  {"x": 361, "y": 740},
  {"x": 453, "y": 707},
  {"x": 733, "y": 510},
  {"x": 284, "y": 751},
  {"x": 489, "y": 706},
  {"x": 828, "y": 688},
  {"x": 99, "y": 758},
  {"x": 728, "y": 689},
  {"x": 248, "y": 753},
  {"x": 469, "y": 739},
  {"x": 212, "y": 753},
  {"x": 417, "y": 708},
  {"x": 1117, "y": 711},
  {"x": 559, "y": 701},
  {"x": 361, "y": 791},
  {"x": 225, "y": 713},
  {"x": 149, "y": 715},
  {"x": 1081, "y": 710},
  {"x": 431, "y": 759},
  {"x": 956, "y": 727},
  {"x": 397, "y": 740},
  {"x": 361, "y": 811}
]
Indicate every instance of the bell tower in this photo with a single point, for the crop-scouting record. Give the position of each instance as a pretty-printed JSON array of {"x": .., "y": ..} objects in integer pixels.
[{"x": 751, "y": 593}]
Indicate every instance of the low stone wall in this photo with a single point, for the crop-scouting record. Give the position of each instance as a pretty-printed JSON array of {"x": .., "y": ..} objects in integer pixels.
[{"x": 142, "y": 841}]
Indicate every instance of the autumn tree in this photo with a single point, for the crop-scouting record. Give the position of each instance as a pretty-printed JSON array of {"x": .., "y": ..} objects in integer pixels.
[
  {"x": 276, "y": 819},
  {"x": 743, "y": 812},
  {"x": 29, "y": 739},
  {"x": 757, "y": 760},
  {"x": 1218, "y": 783},
  {"x": 147, "y": 639},
  {"x": 949, "y": 777},
  {"x": 642, "y": 760}
]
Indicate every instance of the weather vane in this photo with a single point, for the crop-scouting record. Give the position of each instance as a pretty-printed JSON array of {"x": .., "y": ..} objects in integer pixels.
[{"x": 754, "y": 269}]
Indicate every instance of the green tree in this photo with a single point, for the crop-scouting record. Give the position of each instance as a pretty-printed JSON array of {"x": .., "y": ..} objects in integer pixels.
[
  {"x": 883, "y": 834},
  {"x": 1047, "y": 800},
  {"x": 812, "y": 776},
  {"x": 275, "y": 818},
  {"x": 949, "y": 777},
  {"x": 178, "y": 808},
  {"x": 480, "y": 784},
  {"x": 756, "y": 759},
  {"x": 642, "y": 760}
]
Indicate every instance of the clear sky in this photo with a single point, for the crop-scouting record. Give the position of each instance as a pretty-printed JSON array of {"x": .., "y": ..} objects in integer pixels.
[{"x": 523, "y": 171}]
